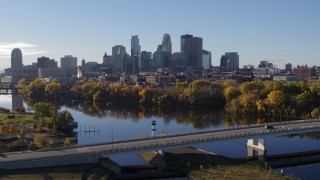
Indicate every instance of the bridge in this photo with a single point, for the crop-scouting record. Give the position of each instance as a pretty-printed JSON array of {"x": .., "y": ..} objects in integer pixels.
[
  {"x": 83, "y": 154},
  {"x": 9, "y": 90}
]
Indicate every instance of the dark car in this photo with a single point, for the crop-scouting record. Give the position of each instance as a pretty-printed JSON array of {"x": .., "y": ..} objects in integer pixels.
[{"x": 268, "y": 127}]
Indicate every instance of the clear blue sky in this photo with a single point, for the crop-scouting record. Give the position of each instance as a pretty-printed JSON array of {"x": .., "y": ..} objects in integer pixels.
[{"x": 256, "y": 29}]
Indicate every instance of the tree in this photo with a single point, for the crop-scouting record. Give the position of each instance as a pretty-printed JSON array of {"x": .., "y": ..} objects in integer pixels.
[
  {"x": 68, "y": 142},
  {"x": 40, "y": 140},
  {"x": 276, "y": 98},
  {"x": 2, "y": 130},
  {"x": 315, "y": 113},
  {"x": 35, "y": 90},
  {"x": 53, "y": 88},
  {"x": 65, "y": 123},
  {"x": 304, "y": 101},
  {"x": 23, "y": 131},
  {"x": 231, "y": 92},
  {"x": 44, "y": 109},
  {"x": 12, "y": 129}
]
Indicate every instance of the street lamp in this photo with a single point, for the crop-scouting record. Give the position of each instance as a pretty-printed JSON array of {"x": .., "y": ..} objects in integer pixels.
[
  {"x": 112, "y": 137},
  {"x": 280, "y": 114}
]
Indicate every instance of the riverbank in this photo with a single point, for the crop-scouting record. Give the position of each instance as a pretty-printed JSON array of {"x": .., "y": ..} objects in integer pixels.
[{"x": 197, "y": 164}]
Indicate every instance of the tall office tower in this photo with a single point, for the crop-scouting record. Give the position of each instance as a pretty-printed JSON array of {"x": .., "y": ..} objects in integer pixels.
[
  {"x": 166, "y": 43},
  {"x": 206, "y": 59},
  {"x": 136, "y": 49},
  {"x": 118, "y": 56},
  {"x": 166, "y": 50},
  {"x": 146, "y": 60},
  {"x": 232, "y": 61},
  {"x": 162, "y": 57},
  {"x": 192, "y": 48},
  {"x": 131, "y": 65},
  {"x": 223, "y": 63},
  {"x": 16, "y": 65},
  {"x": 68, "y": 61}
]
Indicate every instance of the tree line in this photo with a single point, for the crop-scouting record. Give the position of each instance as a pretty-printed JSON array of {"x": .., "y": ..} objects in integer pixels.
[{"x": 261, "y": 98}]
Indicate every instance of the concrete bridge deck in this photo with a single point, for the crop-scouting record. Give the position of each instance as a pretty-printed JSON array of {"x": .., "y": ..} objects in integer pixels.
[{"x": 91, "y": 153}]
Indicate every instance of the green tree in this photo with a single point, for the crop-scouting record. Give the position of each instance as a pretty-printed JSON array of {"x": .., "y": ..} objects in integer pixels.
[
  {"x": 304, "y": 102},
  {"x": 276, "y": 98},
  {"x": 40, "y": 140},
  {"x": 43, "y": 110},
  {"x": 315, "y": 113},
  {"x": 53, "y": 88},
  {"x": 231, "y": 92},
  {"x": 35, "y": 90},
  {"x": 68, "y": 142},
  {"x": 65, "y": 123}
]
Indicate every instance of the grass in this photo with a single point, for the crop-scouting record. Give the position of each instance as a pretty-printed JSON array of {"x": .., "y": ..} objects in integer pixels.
[
  {"x": 24, "y": 119},
  {"x": 200, "y": 165},
  {"x": 88, "y": 171}
]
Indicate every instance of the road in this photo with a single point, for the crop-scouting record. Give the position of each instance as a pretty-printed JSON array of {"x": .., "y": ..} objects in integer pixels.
[{"x": 150, "y": 143}]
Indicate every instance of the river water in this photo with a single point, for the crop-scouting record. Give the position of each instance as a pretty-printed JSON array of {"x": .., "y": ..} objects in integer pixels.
[{"x": 98, "y": 123}]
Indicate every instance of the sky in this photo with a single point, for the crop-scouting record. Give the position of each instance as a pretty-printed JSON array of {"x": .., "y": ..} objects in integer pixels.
[{"x": 280, "y": 31}]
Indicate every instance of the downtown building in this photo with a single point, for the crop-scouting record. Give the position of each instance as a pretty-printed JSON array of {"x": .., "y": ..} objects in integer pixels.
[
  {"x": 68, "y": 61},
  {"x": 229, "y": 62},
  {"x": 192, "y": 49},
  {"x": 118, "y": 56},
  {"x": 136, "y": 49},
  {"x": 16, "y": 65}
]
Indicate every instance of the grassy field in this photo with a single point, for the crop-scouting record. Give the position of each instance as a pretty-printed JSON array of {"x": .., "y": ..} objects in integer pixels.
[
  {"x": 75, "y": 172},
  {"x": 201, "y": 165},
  {"x": 23, "y": 119}
]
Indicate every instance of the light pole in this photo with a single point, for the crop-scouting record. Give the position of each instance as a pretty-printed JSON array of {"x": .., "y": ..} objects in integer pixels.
[
  {"x": 280, "y": 114},
  {"x": 112, "y": 137}
]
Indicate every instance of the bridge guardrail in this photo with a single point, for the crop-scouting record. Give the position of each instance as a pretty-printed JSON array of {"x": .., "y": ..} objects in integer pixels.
[
  {"x": 159, "y": 144},
  {"x": 183, "y": 134}
]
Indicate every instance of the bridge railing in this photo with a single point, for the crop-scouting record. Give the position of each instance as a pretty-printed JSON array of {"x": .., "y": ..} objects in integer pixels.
[
  {"x": 183, "y": 134},
  {"x": 71, "y": 153}
]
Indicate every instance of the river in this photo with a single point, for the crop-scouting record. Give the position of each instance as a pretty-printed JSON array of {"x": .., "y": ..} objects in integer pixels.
[{"x": 98, "y": 123}]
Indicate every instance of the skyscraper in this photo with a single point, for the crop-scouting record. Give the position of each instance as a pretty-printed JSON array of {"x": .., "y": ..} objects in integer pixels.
[
  {"x": 206, "y": 59},
  {"x": 118, "y": 56},
  {"x": 69, "y": 61},
  {"x": 229, "y": 62},
  {"x": 166, "y": 43},
  {"x": 136, "y": 49},
  {"x": 16, "y": 65},
  {"x": 192, "y": 48}
]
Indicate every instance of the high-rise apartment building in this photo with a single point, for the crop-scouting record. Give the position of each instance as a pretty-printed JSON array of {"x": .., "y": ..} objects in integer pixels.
[
  {"x": 69, "y": 61},
  {"x": 136, "y": 49},
  {"x": 16, "y": 65},
  {"x": 192, "y": 48}
]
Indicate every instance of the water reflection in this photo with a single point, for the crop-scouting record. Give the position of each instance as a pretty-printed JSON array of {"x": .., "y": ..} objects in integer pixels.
[
  {"x": 315, "y": 135},
  {"x": 199, "y": 118},
  {"x": 16, "y": 101}
]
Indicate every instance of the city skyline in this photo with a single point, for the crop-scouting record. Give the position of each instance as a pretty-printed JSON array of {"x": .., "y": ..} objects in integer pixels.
[{"x": 272, "y": 30}]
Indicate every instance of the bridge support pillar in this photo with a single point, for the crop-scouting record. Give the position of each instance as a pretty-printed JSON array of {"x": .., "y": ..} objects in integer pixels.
[{"x": 260, "y": 148}]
